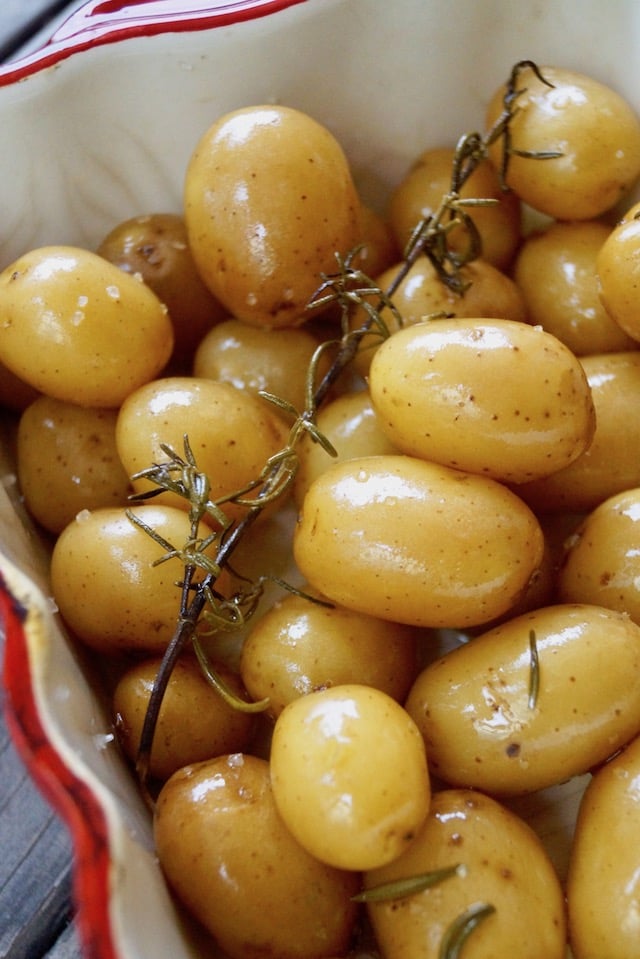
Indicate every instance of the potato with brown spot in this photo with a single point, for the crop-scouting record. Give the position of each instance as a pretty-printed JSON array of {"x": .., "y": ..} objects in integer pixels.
[
  {"x": 501, "y": 864},
  {"x": 228, "y": 856}
]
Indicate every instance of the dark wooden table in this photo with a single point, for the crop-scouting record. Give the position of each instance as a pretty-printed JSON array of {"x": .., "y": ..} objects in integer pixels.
[{"x": 36, "y": 911}]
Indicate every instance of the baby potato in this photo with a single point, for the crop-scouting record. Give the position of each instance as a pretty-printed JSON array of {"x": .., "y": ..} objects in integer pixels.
[
  {"x": 556, "y": 271},
  {"x": 617, "y": 269},
  {"x": 194, "y": 723},
  {"x": 67, "y": 461},
  {"x": 156, "y": 247},
  {"x": 351, "y": 425},
  {"x": 487, "y": 726},
  {"x": 79, "y": 329},
  {"x": 254, "y": 358},
  {"x": 232, "y": 434},
  {"x": 611, "y": 464},
  {"x": 602, "y": 882},
  {"x": 300, "y": 645},
  {"x": 259, "y": 247},
  {"x": 420, "y": 192},
  {"x": 595, "y": 131},
  {"x": 601, "y": 564},
  {"x": 106, "y": 586},
  {"x": 229, "y": 857},
  {"x": 421, "y": 294},
  {"x": 415, "y": 542},
  {"x": 502, "y": 868},
  {"x": 341, "y": 810},
  {"x": 495, "y": 397}
]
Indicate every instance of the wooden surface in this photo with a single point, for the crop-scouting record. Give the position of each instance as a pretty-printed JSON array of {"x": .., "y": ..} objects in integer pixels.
[{"x": 36, "y": 912}]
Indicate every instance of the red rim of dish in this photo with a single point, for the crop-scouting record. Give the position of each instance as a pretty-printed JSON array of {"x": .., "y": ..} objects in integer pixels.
[
  {"x": 100, "y": 22},
  {"x": 71, "y": 797}
]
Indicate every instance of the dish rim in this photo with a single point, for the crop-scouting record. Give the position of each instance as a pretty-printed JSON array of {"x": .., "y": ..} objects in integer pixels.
[{"x": 100, "y": 22}]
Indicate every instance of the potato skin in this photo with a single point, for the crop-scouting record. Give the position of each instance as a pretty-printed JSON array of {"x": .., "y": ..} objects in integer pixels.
[
  {"x": 490, "y": 396},
  {"x": 230, "y": 859},
  {"x": 602, "y": 882},
  {"x": 194, "y": 722},
  {"x": 416, "y": 542},
  {"x": 580, "y": 118},
  {"x": 473, "y": 708},
  {"x": 261, "y": 247},
  {"x": 504, "y": 865},
  {"x": 601, "y": 564},
  {"x": 611, "y": 464},
  {"x": 79, "y": 329}
]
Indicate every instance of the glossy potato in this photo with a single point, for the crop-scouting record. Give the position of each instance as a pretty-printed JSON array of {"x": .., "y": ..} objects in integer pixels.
[
  {"x": 107, "y": 588},
  {"x": 194, "y": 722},
  {"x": 299, "y": 645},
  {"x": 601, "y": 563},
  {"x": 602, "y": 883},
  {"x": 494, "y": 397},
  {"x": 419, "y": 194},
  {"x": 416, "y": 542},
  {"x": 232, "y": 862},
  {"x": 260, "y": 248},
  {"x": 611, "y": 464},
  {"x": 617, "y": 269},
  {"x": 502, "y": 865},
  {"x": 593, "y": 128},
  {"x": 485, "y": 727},
  {"x": 556, "y": 269},
  {"x": 79, "y": 329},
  {"x": 232, "y": 434},
  {"x": 254, "y": 358},
  {"x": 322, "y": 780},
  {"x": 67, "y": 461}
]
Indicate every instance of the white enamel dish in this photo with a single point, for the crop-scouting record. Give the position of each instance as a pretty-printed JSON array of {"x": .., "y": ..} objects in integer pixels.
[{"x": 97, "y": 125}]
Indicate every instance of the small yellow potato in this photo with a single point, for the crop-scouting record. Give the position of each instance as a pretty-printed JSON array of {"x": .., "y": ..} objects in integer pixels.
[
  {"x": 67, "y": 461},
  {"x": 105, "y": 583},
  {"x": 602, "y": 560},
  {"x": 556, "y": 271},
  {"x": 261, "y": 247},
  {"x": 349, "y": 775},
  {"x": 351, "y": 425},
  {"x": 194, "y": 723},
  {"x": 415, "y": 542},
  {"x": 485, "y": 724},
  {"x": 612, "y": 462},
  {"x": 79, "y": 329},
  {"x": 155, "y": 246},
  {"x": 602, "y": 882},
  {"x": 494, "y": 397},
  {"x": 254, "y": 358},
  {"x": 229, "y": 857},
  {"x": 422, "y": 294},
  {"x": 232, "y": 433},
  {"x": 298, "y": 646},
  {"x": 593, "y": 128},
  {"x": 617, "y": 269},
  {"x": 501, "y": 864},
  {"x": 420, "y": 192}
]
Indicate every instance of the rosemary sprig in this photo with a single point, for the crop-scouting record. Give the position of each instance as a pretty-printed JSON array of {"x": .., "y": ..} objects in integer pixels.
[
  {"x": 534, "y": 670},
  {"x": 349, "y": 288},
  {"x": 401, "y": 888},
  {"x": 461, "y": 928}
]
